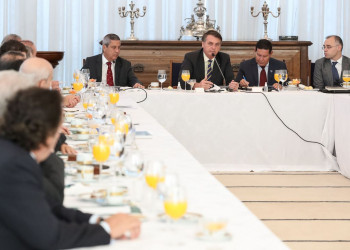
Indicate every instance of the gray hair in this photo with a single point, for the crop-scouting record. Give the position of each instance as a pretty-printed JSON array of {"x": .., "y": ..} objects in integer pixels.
[
  {"x": 11, "y": 37},
  {"x": 10, "y": 82},
  {"x": 107, "y": 39}
]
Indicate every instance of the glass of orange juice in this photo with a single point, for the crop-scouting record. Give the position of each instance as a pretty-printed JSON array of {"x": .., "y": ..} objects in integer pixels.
[
  {"x": 87, "y": 100},
  {"x": 185, "y": 76},
  {"x": 101, "y": 151},
  {"x": 113, "y": 93},
  {"x": 175, "y": 202},
  {"x": 214, "y": 228},
  {"x": 154, "y": 173},
  {"x": 346, "y": 78}
]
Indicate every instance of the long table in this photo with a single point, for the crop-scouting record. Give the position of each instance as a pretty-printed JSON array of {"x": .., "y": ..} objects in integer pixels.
[
  {"x": 342, "y": 135},
  {"x": 240, "y": 131},
  {"x": 205, "y": 195}
]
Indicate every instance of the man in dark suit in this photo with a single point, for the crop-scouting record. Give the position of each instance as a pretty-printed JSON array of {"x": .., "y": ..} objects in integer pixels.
[
  {"x": 329, "y": 69},
  {"x": 204, "y": 64},
  {"x": 109, "y": 67},
  {"x": 261, "y": 69},
  {"x": 28, "y": 221}
]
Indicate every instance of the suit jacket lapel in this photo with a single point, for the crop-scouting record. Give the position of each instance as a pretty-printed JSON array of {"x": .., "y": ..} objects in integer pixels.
[
  {"x": 255, "y": 71},
  {"x": 270, "y": 74},
  {"x": 328, "y": 72},
  {"x": 345, "y": 65},
  {"x": 200, "y": 67},
  {"x": 117, "y": 71},
  {"x": 99, "y": 68}
]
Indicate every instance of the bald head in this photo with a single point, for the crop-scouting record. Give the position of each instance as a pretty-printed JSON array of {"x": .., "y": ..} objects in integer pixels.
[
  {"x": 41, "y": 70},
  {"x": 10, "y": 82}
]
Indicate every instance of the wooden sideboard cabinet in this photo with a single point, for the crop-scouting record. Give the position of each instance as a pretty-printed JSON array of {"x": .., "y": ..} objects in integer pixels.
[{"x": 147, "y": 57}]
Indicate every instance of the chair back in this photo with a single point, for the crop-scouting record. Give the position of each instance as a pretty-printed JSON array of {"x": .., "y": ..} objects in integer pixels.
[{"x": 174, "y": 72}]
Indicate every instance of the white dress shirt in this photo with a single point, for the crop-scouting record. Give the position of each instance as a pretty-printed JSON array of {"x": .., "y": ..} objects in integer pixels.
[
  {"x": 338, "y": 66},
  {"x": 104, "y": 69}
]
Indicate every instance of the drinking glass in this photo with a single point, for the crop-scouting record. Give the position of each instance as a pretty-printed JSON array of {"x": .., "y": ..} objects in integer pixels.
[
  {"x": 161, "y": 77},
  {"x": 185, "y": 76},
  {"x": 283, "y": 76},
  {"x": 154, "y": 173},
  {"x": 133, "y": 163},
  {"x": 86, "y": 73},
  {"x": 76, "y": 75},
  {"x": 346, "y": 78},
  {"x": 78, "y": 86},
  {"x": 175, "y": 202},
  {"x": 86, "y": 100},
  {"x": 101, "y": 152},
  {"x": 113, "y": 94}
]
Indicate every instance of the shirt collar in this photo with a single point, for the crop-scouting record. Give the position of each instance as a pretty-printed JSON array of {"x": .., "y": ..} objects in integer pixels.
[
  {"x": 340, "y": 60},
  {"x": 32, "y": 155},
  {"x": 266, "y": 66},
  {"x": 104, "y": 60},
  {"x": 206, "y": 59}
]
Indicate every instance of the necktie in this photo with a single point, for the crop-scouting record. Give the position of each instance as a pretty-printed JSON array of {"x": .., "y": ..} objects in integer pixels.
[
  {"x": 262, "y": 76},
  {"x": 109, "y": 74},
  {"x": 210, "y": 70},
  {"x": 335, "y": 73}
]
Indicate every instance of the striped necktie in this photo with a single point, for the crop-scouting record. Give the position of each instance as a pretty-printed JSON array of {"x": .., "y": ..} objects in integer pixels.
[{"x": 210, "y": 70}]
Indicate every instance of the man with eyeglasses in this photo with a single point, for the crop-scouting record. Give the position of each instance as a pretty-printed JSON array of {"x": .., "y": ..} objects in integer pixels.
[{"x": 329, "y": 69}]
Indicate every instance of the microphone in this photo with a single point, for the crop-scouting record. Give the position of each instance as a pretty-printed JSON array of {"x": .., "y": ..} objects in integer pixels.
[{"x": 219, "y": 68}]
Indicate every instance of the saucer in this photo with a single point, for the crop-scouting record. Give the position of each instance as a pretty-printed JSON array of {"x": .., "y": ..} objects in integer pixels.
[
  {"x": 77, "y": 178},
  {"x": 216, "y": 237},
  {"x": 187, "y": 218}
]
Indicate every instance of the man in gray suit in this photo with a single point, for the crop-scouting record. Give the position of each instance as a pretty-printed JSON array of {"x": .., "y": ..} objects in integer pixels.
[{"x": 329, "y": 69}]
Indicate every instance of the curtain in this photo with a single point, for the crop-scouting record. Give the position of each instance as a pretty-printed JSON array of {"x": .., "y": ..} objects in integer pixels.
[{"x": 76, "y": 26}]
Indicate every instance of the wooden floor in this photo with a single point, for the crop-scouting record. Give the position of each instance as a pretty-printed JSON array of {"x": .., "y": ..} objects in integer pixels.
[{"x": 306, "y": 210}]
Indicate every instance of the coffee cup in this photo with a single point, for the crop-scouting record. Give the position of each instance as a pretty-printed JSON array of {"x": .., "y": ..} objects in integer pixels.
[
  {"x": 87, "y": 173},
  {"x": 115, "y": 194},
  {"x": 153, "y": 85}
]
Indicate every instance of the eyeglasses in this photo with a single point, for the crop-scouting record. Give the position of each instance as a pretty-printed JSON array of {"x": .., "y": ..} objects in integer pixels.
[{"x": 328, "y": 47}]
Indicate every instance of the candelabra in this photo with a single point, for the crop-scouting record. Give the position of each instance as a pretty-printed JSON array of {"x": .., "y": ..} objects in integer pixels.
[
  {"x": 199, "y": 27},
  {"x": 265, "y": 11},
  {"x": 133, "y": 13}
]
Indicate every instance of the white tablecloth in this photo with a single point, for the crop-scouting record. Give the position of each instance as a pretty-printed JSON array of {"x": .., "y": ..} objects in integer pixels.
[
  {"x": 240, "y": 132},
  {"x": 342, "y": 134},
  {"x": 205, "y": 196}
]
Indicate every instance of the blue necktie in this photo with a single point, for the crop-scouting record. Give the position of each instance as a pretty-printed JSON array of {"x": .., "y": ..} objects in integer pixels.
[
  {"x": 335, "y": 73},
  {"x": 209, "y": 71}
]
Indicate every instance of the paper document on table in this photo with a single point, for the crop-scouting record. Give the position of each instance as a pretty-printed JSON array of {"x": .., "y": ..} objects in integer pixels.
[{"x": 215, "y": 87}]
